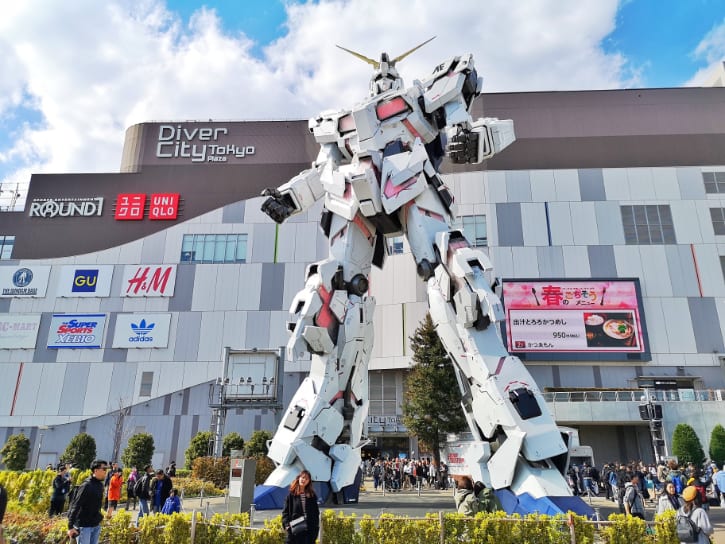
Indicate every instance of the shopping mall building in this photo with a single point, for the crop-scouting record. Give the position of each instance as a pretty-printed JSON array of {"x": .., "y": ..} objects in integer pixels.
[{"x": 155, "y": 299}]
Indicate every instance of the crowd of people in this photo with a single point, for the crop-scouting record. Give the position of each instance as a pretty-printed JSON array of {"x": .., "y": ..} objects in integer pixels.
[
  {"x": 400, "y": 474},
  {"x": 689, "y": 490}
]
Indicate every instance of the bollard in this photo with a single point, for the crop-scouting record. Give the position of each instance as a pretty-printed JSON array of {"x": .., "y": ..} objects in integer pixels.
[
  {"x": 201, "y": 496},
  {"x": 206, "y": 511},
  {"x": 442, "y": 521},
  {"x": 419, "y": 488},
  {"x": 572, "y": 531},
  {"x": 193, "y": 526},
  {"x": 252, "y": 511}
]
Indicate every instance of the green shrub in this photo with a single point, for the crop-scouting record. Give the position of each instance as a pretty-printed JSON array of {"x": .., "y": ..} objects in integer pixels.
[
  {"x": 81, "y": 451},
  {"x": 139, "y": 451},
  {"x": 198, "y": 447},
  {"x": 212, "y": 469},
  {"x": 686, "y": 445},
  {"x": 717, "y": 445},
  {"x": 191, "y": 487},
  {"x": 15, "y": 452}
]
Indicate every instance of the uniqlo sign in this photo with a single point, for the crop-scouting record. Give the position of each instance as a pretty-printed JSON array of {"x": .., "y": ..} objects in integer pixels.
[
  {"x": 164, "y": 206},
  {"x": 129, "y": 207},
  {"x": 148, "y": 281}
]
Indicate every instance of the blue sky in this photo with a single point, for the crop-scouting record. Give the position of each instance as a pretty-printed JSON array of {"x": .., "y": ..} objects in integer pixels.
[{"x": 75, "y": 75}]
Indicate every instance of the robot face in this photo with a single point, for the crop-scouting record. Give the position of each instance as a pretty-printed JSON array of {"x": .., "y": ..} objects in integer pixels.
[{"x": 384, "y": 82}]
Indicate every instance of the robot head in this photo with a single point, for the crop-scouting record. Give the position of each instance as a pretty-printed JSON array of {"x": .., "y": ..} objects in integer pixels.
[{"x": 386, "y": 77}]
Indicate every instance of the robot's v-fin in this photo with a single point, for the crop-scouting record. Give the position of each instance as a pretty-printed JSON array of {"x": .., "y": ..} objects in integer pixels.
[{"x": 376, "y": 64}]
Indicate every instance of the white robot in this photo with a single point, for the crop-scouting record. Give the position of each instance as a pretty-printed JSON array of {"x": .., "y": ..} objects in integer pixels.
[{"x": 377, "y": 171}]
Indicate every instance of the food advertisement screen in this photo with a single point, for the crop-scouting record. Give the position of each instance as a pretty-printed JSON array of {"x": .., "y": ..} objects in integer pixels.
[{"x": 585, "y": 316}]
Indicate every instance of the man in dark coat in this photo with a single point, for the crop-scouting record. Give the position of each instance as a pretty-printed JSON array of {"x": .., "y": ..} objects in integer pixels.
[
  {"x": 84, "y": 514},
  {"x": 160, "y": 489},
  {"x": 61, "y": 487}
]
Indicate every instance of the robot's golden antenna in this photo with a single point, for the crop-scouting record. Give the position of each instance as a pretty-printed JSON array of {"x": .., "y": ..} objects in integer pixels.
[{"x": 375, "y": 63}]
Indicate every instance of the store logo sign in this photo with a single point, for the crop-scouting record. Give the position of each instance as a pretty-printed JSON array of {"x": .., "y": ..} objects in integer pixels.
[
  {"x": 142, "y": 331},
  {"x": 66, "y": 207},
  {"x": 85, "y": 281},
  {"x": 76, "y": 330},
  {"x": 149, "y": 281}
]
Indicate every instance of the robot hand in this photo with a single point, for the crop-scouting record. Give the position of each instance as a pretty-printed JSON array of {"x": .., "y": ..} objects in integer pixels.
[
  {"x": 463, "y": 147},
  {"x": 278, "y": 206}
]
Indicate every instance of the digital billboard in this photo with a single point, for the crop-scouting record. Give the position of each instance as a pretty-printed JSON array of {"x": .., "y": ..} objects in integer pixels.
[{"x": 598, "y": 317}]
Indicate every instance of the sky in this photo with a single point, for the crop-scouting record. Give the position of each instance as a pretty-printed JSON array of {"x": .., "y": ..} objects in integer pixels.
[{"x": 75, "y": 75}]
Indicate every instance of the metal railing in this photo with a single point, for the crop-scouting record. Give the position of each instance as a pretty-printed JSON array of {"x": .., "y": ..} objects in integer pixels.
[{"x": 705, "y": 395}]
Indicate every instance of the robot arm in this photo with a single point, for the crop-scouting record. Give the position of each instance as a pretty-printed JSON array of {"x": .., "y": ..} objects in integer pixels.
[
  {"x": 299, "y": 193},
  {"x": 483, "y": 140}
]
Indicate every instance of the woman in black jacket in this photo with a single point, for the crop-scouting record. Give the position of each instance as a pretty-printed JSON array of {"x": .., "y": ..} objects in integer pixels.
[{"x": 301, "y": 503}]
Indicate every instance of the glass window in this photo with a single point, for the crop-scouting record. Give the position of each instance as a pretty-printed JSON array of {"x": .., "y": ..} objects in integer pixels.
[
  {"x": 714, "y": 182},
  {"x": 147, "y": 380},
  {"x": 6, "y": 247},
  {"x": 718, "y": 220},
  {"x": 474, "y": 229},
  {"x": 383, "y": 394},
  {"x": 648, "y": 225},
  {"x": 214, "y": 248}
]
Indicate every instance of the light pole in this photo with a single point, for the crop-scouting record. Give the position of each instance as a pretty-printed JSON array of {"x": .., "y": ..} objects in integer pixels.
[
  {"x": 41, "y": 428},
  {"x": 652, "y": 413}
]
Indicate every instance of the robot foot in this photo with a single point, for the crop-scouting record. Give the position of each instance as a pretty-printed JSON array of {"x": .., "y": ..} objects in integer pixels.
[
  {"x": 272, "y": 496},
  {"x": 526, "y": 504}
]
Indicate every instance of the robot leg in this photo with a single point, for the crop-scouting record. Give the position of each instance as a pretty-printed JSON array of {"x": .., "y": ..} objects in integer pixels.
[
  {"x": 520, "y": 449},
  {"x": 323, "y": 429}
]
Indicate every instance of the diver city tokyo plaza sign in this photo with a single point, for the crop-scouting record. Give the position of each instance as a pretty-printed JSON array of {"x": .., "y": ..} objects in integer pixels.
[
  {"x": 22, "y": 281},
  {"x": 198, "y": 144},
  {"x": 76, "y": 331},
  {"x": 142, "y": 331}
]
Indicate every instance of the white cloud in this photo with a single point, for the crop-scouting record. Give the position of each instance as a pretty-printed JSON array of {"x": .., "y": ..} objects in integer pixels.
[
  {"x": 95, "y": 68},
  {"x": 712, "y": 50}
]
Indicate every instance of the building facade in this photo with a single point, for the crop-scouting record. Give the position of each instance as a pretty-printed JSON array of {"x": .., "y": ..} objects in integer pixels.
[{"x": 129, "y": 300}]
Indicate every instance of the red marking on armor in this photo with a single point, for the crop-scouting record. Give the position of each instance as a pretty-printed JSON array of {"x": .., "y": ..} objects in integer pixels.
[
  {"x": 392, "y": 191},
  {"x": 337, "y": 397},
  {"x": 501, "y": 361},
  {"x": 353, "y": 398},
  {"x": 411, "y": 128},
  {"x": 346, "y": 124},
  {"x": 324, "y": 317},
  {"x": 363, "y": 227},
  {"x": 389, "y": 108},
  {"x": 339, "y": 234},
  {"x": 347, "y": 194},
  {"x": 517, "y": 383},
  {"x": 430, "y": 213},
  {"x": 458, "y": 244}
]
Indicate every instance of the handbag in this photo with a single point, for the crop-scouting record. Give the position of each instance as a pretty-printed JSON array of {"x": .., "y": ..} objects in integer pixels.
[{"x": 298, "y": 525}]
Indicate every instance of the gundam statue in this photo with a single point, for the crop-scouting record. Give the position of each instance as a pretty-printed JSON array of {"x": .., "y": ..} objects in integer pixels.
[{"x": 377, "y": 171}]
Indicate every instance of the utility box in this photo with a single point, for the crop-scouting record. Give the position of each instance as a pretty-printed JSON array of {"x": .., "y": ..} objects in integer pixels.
[{"x": 241, "y": 482}]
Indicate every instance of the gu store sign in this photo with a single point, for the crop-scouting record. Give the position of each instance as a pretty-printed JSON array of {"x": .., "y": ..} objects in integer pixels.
[{"x": 85, "y": 281}]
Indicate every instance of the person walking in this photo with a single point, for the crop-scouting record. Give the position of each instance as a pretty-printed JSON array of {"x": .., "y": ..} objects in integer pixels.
[
  {"x": 61, "y": 487},
  {"x": 114, "y": 490},
  {"x": 131, "y": 488},
  {"x": 691, "y": 515},
  {"x": 465, "y": 498},
  {"x": 84, "y": 514},
  {"x": 669, "y": 499},
  {"x": 143, "y": 492},
  {"x": 633, "y": 500},
  {"x": 301, "y": 514},
  {"x": 719, "y": 479},
  {"x": 159, "y": 490}
]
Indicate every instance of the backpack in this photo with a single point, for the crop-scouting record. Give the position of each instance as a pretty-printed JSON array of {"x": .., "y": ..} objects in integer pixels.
[
  {"x": 677, "y": 480},
  {"x": 687, "y": 531},
  {"x": 138, "y": 489}
]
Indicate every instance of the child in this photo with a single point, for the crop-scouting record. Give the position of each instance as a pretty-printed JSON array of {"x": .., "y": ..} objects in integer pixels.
[{"x": 173, "y": 503}]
